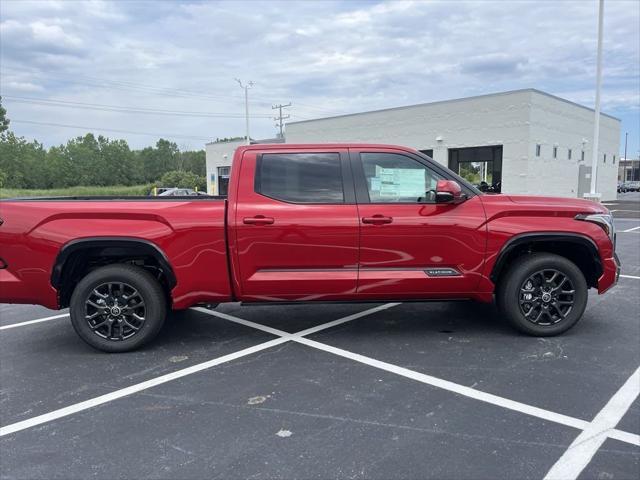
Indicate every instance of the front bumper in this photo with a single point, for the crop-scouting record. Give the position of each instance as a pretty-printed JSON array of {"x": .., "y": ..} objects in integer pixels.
[{"x": 610, "y": 274}]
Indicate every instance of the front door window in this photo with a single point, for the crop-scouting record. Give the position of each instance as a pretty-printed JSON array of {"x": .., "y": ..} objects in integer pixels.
[{"x": 394, "y": 178}]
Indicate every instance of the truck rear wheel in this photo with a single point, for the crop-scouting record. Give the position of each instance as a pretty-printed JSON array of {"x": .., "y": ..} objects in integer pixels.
[
  {"x": 118, "y": 308},
  {"x": 542, "y": 294}
]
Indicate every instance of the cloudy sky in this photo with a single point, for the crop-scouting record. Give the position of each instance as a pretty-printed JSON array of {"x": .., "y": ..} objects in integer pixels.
[{"x": 140, "y": 70}]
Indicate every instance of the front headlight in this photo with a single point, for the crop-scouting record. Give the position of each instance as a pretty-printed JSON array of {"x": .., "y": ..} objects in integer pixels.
[{"x": 604, "y": 220}]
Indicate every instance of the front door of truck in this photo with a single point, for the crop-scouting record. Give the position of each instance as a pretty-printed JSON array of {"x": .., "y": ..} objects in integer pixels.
[
  {"x": 411, "y": 247},
  {"x": 296, "y": 226}
]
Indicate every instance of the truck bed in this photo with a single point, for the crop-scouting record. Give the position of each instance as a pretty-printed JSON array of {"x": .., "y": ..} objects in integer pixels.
[{"x": 189, "y": 231}]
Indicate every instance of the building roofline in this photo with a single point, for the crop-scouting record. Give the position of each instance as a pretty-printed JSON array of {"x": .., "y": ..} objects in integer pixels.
[
  {"x": 264, "y": 140},
  {"x": 453, "y": 100}
]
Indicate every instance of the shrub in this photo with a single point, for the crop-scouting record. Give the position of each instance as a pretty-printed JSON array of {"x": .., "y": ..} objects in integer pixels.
[{"x": 183, "y": 179}]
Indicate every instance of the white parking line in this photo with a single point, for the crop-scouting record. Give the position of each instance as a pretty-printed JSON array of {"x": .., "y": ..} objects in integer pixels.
[
  {"x": 308, "y": 331},
  {"x": 630, "y": 230},
  {"x": 31, "y": 322},
  {"x": 630, "y": 276},
  {"x": 109, "y": 397},
  {"x": 584, "y": 447},
  {"x": 430, "y": 380}
]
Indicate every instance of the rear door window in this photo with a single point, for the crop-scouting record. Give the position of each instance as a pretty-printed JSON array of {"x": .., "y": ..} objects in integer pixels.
[{"x": 300, "y": 177}]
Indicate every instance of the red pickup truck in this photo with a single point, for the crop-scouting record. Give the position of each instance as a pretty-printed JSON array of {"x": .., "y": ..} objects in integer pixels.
[{"x": 306, "y": 223}]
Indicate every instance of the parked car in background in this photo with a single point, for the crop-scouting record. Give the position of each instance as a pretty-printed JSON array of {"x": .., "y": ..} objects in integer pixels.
[
  {"x": 633, "y": 186},
  {"x": 622, "y": 187},
  {"x": 178, "y": 192},
  {"x": 307, "y": 223}
]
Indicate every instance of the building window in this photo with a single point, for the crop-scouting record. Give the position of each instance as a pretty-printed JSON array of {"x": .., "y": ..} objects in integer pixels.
[
  {"x": 614, "y": 159},
  {"x": 224, "y": 171},
  {"x": 582, "y": 156},
  {"x": 538, "y": 148},
  {"x": 605, "y": 158},
  {"x": 569, "y": 154},
  {"x": 555, "y": 152},
  {"x": 300, "y": 177}
]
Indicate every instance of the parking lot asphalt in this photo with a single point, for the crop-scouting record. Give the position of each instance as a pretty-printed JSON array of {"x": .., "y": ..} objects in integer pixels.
[
  {"x": 414, "y": 390},
  {"x": 627, "y": 205}
]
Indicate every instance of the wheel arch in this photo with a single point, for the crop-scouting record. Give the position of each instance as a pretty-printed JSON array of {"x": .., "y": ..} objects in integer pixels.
[
  {"x": 580, "y": 249},
  {"x": 77, "y": 257}
]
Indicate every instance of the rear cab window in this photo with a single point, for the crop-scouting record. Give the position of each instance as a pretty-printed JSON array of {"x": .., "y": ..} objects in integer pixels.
[{"x": 300, "y": 177}]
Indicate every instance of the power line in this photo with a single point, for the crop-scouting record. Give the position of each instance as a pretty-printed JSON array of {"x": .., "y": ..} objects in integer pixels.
[
  {"x": 139, "y": 88},
  {"x": 32, "y": 122},
  {"x": 167, "y": 91},
  {"x": 122, "y": 109}
]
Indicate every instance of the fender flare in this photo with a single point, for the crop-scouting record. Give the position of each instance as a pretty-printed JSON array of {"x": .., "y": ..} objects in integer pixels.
[
  {"x": 545, "y": 237},
  {"x": 149, "y": 248}
]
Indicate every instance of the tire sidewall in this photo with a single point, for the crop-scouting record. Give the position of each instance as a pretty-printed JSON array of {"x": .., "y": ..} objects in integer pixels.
[
  {"x": 522, "y": 269},
  {"x": 147, "y": 287}
]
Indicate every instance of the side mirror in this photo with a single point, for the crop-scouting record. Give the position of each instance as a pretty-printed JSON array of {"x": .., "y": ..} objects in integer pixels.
[{"x": 449, "y": 191}]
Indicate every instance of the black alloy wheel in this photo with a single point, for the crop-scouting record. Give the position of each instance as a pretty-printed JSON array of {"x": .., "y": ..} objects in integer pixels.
[
  {"x": 546, "y": 297},
  {"x": 118, "y": 308},
  {"x": 115, "y": 311},
  {"x": 542, "y": 294}
]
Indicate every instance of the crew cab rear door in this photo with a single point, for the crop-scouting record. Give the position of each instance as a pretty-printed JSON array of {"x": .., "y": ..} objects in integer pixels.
[
  {"x": 411, "y": 247},
  {"x": 296, "y": 226}
]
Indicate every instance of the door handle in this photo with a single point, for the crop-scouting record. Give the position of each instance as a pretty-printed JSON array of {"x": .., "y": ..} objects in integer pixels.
[
  {"x": 258, "y": 220},
  {"x": 377, "y": 220}
]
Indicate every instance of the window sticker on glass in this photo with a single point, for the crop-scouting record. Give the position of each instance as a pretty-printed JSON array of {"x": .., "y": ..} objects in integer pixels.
[
  {"x": 399, "y": 182},
  {"x": 396, "y": 178}
]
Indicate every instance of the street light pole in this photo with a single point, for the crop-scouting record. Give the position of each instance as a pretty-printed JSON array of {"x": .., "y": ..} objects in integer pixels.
[
  {"x": 246, "y": 105},
  {"x": 596, "y": 126},
  {"x": 624, "y": 170}
]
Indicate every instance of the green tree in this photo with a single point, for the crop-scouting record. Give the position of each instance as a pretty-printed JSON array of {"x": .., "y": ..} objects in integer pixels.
[
  {"x": 194, "y": 161},
  {"x": 60, "y": 169},
  {"x": 120, "y": 161},
  {"x": 4, "y": 121},
  {"x": 22, "y": 162},
  {"x": 159, "y": 160},
  {"x": 88, "y": 168}
]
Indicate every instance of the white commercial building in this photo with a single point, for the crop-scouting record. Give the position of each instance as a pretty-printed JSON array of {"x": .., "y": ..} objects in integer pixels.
[{"x": 524, "y": 141}]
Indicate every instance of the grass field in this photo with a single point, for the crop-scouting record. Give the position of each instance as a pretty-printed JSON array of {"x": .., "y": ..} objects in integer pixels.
[{"x": 76, "y": 191}]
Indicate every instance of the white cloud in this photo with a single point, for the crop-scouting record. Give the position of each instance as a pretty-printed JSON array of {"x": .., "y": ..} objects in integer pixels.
[
  {"x": 22, "y": 86},
  {"x": 44, "y": 33}
]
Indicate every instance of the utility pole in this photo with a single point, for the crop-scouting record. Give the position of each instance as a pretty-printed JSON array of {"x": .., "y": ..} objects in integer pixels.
[
  {"x": 280, "y": 118},
  {"x": 596, "y": 125},
  {"x": 246, "y": 104}
]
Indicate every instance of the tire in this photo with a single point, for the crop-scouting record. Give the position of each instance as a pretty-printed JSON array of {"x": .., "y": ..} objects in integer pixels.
[
  {"x": 108, "y": 304},
  {"x": 556, "y": 310}
]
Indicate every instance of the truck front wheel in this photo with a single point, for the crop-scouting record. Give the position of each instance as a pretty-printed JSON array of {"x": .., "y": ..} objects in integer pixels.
[
  {"x": 542, "y": 294},
  {"x": 118, "y": 308}
]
